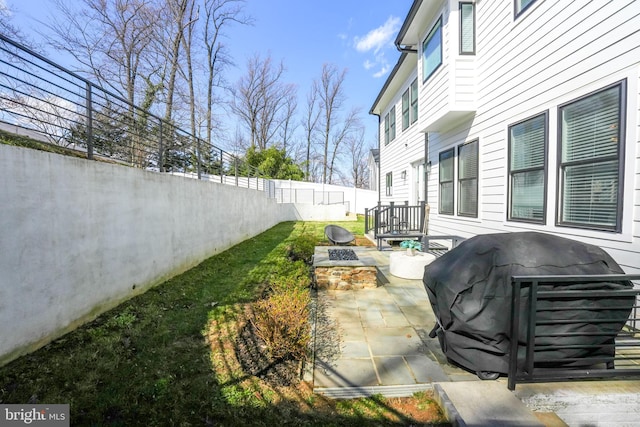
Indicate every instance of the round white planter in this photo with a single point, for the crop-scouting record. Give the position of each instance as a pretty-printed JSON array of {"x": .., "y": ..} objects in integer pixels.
[{"x": 409, "y": 267}]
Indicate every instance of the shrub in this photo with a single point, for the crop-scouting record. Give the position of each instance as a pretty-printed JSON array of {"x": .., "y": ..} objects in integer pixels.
[
  {"x": 282, "y": 321},
  {"x": 302, "y": 247}
]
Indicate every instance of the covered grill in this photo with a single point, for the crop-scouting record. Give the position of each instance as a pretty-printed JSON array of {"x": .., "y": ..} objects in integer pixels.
[{"x": 470, "y": 292}]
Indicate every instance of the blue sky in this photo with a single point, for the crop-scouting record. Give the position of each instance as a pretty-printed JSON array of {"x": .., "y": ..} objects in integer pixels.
[{"x": 356, "y": 35}]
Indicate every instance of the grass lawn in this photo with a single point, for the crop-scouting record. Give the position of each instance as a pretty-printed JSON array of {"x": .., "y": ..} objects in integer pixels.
[{"x": 168, "y": 357}]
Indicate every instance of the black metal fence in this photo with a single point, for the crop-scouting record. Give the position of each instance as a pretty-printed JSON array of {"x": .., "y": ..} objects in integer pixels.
[
  {"x": 589, "y": 330},
  {"x": 44, "y": 101},
  {"x": 395, "y": 219}
]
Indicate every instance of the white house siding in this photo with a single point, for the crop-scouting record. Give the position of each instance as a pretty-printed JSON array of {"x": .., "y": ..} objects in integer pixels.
[
  {"x": 555, "y": 52},
  {"x": 408, "y": 146}
]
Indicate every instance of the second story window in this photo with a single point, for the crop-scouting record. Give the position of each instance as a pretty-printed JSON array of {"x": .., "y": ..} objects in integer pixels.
[
  {"x": 410, "y": 105},
  {"x": 405, "y": 109},
  {"x": 386, "y": 129},
  {"x": 392, "y": 123},
  {"x": 467, "y": 28},
  {"x": 414, "y": 101},
  {"x": 432, "y": 51},
  {"x": 522, "y": 5}
]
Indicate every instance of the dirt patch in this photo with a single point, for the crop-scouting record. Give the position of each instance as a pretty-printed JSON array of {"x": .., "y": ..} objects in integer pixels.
[{"x": 255, "y": 360}]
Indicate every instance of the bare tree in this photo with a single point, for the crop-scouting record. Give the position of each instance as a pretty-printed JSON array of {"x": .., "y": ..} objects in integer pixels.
[
  {"x": 218, "y": 14},
  {"x": 8, "y": 29},
  {"x": 334, "y": 129},
  {"x": 260, "y": 100},
  {"x": 358, "y": 152},
  {"x": 287, "y": 129},
  {"x": 310, "y": 124},
  {"x": 174, "y": 23},
  {"x": 109, "y": 38}
]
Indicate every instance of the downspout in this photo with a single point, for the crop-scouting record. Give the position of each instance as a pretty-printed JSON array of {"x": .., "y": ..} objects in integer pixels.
[
  {"x": 379, "y": 159},
  {"x": 426, "y": 167}
]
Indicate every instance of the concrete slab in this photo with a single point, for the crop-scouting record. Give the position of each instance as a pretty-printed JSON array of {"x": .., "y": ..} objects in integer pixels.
[
  {"x": 580, "y": 403},
  {"x": 486, "y": 403}
]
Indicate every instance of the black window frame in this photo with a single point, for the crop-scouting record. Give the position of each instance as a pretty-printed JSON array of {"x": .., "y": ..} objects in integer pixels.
[
  {"x": 386, "y": 129},
  {"x": 389, "y": 184},
  {"x": 436, "y": 26},
  {"x": 392, "y": 124},
  {"x": 545, "y": 169},
  {"x": 452, "y": 154},
  {"x": 473, "y": 6},
  {"x": 516, "y": 12},
  {"x": 406, "y": 109},
  {"x": 460, "y": 179},
  {"x": 620, "y": 157},
  {"x": 413, "y": 101}
]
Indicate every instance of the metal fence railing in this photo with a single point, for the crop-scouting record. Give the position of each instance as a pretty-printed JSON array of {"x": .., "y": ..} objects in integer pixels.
[
  {"x": 309, "y": 195},
  {"x": 560, "y": 333},
  {"x": 395, "y": 219},
  {"x": 44, "y": 101}
]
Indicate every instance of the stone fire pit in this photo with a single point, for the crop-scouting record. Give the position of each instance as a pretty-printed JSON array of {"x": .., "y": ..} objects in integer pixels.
[{"x": 336, "y": 268}]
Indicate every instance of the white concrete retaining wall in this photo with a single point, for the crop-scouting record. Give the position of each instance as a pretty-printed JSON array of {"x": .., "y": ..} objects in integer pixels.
[{"x": 78, "y": 237}]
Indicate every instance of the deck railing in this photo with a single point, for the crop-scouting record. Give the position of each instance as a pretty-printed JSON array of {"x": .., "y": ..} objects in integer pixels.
[
  {"x": 395, "y": 219},
  {"x": 588, "y": 328}
]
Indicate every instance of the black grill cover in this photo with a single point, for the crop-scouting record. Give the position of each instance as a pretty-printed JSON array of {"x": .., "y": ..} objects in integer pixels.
[{"x": 469, "y": 289}]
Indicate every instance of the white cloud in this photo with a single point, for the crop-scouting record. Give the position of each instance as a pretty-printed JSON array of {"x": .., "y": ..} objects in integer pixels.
[
  {"x": 378, "y": 38},
  {"x": 384, "y": 70},
  {"x": 376, "y": 42}
]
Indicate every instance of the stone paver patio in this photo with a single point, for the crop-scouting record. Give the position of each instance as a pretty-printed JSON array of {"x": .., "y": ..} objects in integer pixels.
[{"x": 376, "y": 340}]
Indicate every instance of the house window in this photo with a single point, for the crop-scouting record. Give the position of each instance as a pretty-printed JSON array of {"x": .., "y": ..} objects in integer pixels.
[
  {"x": 467, "y": 28},
  {"x": 527, "y": 169},
  {"x": 591, "y": 159},
  {"x": 432, "y": 51},
  {"x": 405, "y": 109},
  {"x": 414, "y": 101},
  {"x": 468, "y": 179},
  {"x": 386, "y": 129},
  {"x": 446, "y": 182},
  {"x": 389, "y": 185},
  {"x": 392, "y": 123},
  {"x": 522, "y": 5}
]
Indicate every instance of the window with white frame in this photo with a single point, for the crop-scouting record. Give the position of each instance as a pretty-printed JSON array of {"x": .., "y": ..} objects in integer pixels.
[
  {"x": 527, "y": 169},
  {"x": 467, "y": 28},
  {"x": 591, "y": 149},
  {"x": 521, "y": 5},
  {"x": 468, "y": 179},
  {"x": 432, "y": 51},
  {"x": 445, "y": 205},
  {"x": 389, "y": 184},
  {"x": 414, "y": 101}
]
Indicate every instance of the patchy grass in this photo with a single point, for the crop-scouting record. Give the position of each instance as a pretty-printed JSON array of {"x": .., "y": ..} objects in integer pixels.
[
  {"x": 170, "y": 356},
  {"x": 9, "y": 138}
]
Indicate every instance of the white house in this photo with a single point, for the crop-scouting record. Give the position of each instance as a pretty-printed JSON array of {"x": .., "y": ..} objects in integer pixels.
[{"x": 516, "y": 115}]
